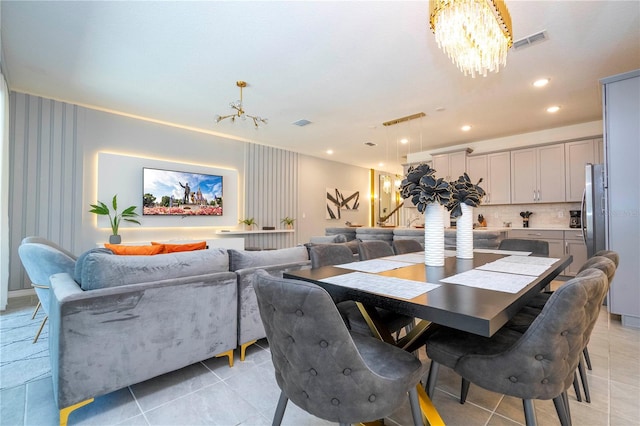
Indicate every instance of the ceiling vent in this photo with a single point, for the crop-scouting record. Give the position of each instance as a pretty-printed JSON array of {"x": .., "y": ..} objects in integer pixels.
[
  {"x": 301, "y": 123},
  {"x": 370, "y": 144},
  {"x": 530, "y": 40}
]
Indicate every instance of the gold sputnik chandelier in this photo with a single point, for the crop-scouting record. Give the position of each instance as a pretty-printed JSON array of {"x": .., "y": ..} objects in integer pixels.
[
  {"x": 240, "y": 113},
  {"x": 475, "y": 34}
]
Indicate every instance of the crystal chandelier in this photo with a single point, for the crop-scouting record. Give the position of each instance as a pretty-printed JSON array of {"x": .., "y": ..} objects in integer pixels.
[
  {"x": 237, "y": 105},
  {"x": 475, "y": 34}
]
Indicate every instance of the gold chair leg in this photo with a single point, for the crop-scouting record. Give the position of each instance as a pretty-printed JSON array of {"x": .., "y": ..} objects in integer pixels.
[
  {"x": 228, "y": 354},
  {"x": 36, "y": 311},
  {"x": 428, "y": 409},
  {"x": 243, "y": 349},
  {"x": 40, "y": 329},
  {"x": 64, "y": 413}
]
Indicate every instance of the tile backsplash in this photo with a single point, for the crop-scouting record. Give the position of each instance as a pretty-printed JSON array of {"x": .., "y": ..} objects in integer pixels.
[{"x": 554, "y": 215}]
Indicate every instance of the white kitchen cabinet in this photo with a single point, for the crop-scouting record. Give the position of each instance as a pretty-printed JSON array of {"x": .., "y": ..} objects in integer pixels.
[
  {"x": 599, "y": 145},
  {"x": 538, "y": 174},
  {"x": 577, "y": 155},
  {"x": 575, "y": 246},
  {"x": 495, "y": 171},
  {"x": 450, "y": 166}
]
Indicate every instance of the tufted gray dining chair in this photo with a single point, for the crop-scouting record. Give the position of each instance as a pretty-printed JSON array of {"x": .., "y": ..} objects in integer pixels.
[
  {"x": 406, "y": 246},
  {"x": 539, "y": 364},
  {"x": 329, "y": 254},
  {"x": 42, "y": 258},
  {"x": 374, "y": 249},
  {"x": 607, "y": 262},
  {"x": 324, "y": 369},
  {"x": 536, "y": 247},
  {"x": 336, "y": 254}
]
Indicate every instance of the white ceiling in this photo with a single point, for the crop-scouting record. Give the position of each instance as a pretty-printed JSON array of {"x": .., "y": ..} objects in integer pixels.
[{"x": 345, "y": 66}]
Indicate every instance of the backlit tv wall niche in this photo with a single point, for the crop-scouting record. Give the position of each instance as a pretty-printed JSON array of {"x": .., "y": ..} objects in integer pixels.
[{"x": 167, "y": 193}]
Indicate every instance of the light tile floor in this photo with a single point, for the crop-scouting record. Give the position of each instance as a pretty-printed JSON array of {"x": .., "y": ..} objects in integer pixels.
[{"x": 211, "y": 393}]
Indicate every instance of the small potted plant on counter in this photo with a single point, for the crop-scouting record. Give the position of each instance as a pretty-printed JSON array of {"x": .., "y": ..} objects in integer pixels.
[
  {"x": 288, "y": 222},
  {"x": 249, "y": 223},
  {"x": 114, "y": 220}
]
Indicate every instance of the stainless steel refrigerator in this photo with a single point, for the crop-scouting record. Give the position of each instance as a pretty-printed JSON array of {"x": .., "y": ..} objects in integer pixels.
[{"x": 594, "y": 207}]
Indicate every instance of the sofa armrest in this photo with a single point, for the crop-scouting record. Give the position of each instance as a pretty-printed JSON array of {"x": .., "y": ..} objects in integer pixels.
[
  {"x": 104, "y": 340},
  {"x": 250, "y": 326}
]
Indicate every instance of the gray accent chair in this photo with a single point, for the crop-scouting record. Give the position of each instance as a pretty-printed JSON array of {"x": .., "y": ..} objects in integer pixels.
[
  {"x": 536, "y": 247},
  {"x": 374, "y": 249},
  {"x": 539, "y": 364},
  {"x": 321, "y": 367},
  {"x": 42, "y": 258},
  {"x": 406, "y": 246}
]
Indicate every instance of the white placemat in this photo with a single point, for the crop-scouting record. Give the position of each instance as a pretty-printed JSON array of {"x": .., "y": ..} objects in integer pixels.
[
  {"x": 490, "y": 280},
  {"x": 374, "y": 265},
  {"x": 388, "y": 286}
]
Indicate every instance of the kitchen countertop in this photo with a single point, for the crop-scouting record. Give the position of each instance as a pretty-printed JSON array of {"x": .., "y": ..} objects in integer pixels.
[{"x": 547, "y": 228}]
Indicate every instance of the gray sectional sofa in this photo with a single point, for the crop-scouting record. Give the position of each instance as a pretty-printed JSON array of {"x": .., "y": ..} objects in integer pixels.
[{"x": 121, "y": 320}]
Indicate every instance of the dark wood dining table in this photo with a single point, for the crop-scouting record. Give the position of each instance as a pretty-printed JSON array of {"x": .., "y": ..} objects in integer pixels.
[{"x": 476, "y": 310}]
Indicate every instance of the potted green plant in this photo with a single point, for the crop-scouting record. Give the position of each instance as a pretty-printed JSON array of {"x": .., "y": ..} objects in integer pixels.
[
  {"x": 250, "y": 222},
  {"x": 114, "y": 219},
  {"x": 288, "y": 221}
]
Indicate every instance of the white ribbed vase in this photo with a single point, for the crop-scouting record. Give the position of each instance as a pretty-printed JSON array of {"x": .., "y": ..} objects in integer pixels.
[
  {"x": 433, "y": 235},
  {"x": 464, "y": 233}
]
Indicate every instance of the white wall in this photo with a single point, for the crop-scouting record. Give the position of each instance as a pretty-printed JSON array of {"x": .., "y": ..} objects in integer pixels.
[
  {"x": 315, "y": 175},
  {"x": 55, "y": 175},
  {"x": 101, "y": 132}
]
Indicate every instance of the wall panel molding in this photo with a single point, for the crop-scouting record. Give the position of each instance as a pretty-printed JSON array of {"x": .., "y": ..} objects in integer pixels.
[
  {"x": 271, "y": 193},
  {"x": 45, "y": 176}
]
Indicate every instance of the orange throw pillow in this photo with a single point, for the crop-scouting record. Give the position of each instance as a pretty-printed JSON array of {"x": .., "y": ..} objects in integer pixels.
[
  {"x": 135, "y": 250},
  {"x": 173, "y": 248}
]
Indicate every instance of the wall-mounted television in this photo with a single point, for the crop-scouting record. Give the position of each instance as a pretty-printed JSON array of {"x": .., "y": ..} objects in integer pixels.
[{"x": 170, "y": 192}]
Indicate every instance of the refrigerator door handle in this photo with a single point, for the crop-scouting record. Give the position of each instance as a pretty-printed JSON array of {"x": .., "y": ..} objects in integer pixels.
[{"x": 583, "y": 215}]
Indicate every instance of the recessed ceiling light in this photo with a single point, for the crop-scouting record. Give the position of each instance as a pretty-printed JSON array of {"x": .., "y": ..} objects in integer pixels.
[
  {"x": 541, "y": 82},
  {"x": 380, "y": 164},
  {"x": 465, "y": 128},
  {"x": 404, "y": 141},
  {"x": 553, "y": 109},
  {"x": 440, "y": 108},
  {"x": 329, "y": 151}
]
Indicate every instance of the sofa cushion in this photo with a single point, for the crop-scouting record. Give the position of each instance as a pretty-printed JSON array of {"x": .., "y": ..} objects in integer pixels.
[
  {"x": 328, "y": 239},
  {"x": 100, "y": 270},
  {"x": 241, "y": 259},
  {"x": 147, "y": 250},
  {"x": 77, "y": 273},
  {"x": 174, "y": 248}
]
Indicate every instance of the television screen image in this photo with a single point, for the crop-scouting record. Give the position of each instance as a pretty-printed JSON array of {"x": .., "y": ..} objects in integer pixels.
[{"x": 168, "y": 192}]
